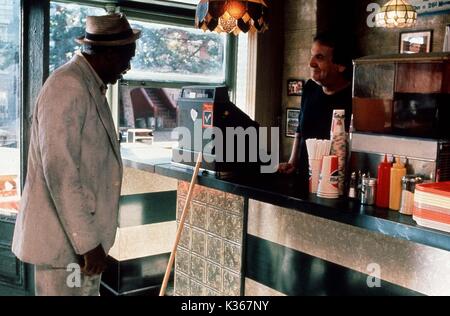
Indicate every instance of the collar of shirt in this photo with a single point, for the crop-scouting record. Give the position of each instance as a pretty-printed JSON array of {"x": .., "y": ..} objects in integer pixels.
[{"x": 98, "y": 80}]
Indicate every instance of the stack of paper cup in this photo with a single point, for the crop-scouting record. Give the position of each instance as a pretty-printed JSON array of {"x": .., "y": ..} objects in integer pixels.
[
  {"x": 314, "y": 172},
  {"x": 329, "y": 179},
  {"x": 317, "y": 148},
  {"x": 339, "y": 144}
]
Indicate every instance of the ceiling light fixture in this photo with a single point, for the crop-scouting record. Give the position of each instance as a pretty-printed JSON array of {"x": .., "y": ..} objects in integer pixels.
[
  {"x": 232, "y": 16},
  {"x": 396, "y": 14}
]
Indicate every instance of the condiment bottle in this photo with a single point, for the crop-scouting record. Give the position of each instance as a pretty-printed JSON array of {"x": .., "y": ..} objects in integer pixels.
[
  {"x": 383, "y": 183},
  {"x": 398, "y": 171},
  {"x": 409, "y": 185},
  {"x": 368, "y": 191},
  {"x": 359, "y": 185},
  {"x": 352, "y": 191}
]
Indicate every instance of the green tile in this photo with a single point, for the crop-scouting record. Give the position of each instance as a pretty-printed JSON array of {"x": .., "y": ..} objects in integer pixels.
[{"x": 147, "y": 208}]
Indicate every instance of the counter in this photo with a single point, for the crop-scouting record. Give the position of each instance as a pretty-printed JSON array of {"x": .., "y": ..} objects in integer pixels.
[{"x": 294, "y": 244}]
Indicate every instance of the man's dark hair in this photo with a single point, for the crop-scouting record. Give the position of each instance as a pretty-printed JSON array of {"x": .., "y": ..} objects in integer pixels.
[{"x": 342, "y": 50}]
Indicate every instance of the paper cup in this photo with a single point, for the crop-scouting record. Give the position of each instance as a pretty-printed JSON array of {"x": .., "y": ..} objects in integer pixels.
[
  {"x": 329, "y": 178},
  {"x": 314, "y": 173}
]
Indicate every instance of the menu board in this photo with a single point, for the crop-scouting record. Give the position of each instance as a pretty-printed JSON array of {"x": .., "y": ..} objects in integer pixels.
[{"x": 431, "y": 6}]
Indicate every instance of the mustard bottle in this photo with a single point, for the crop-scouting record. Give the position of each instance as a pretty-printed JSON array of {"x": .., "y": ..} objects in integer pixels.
[{"x": 398, "y": 170}]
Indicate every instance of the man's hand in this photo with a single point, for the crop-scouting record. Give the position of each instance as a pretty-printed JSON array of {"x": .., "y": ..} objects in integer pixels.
[
  {"x": 94, "y": 261},
  {"x": 286, "y": 168}
]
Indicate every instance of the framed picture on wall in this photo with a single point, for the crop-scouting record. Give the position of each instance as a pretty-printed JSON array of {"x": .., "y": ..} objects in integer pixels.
[
  {"x": 291, "y": 121},
  {"x": 295, "y": 87},
  {"x": 416, "y": 42}
]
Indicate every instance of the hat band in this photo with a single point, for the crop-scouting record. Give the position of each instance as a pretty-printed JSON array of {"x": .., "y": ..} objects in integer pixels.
[{"x": 109, "y": 37}]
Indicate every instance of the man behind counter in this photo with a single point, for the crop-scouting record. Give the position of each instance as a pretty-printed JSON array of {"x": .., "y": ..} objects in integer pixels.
[{"x": 329, "y": 89}]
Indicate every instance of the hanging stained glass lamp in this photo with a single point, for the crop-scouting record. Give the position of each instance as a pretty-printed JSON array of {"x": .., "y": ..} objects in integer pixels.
[
  {"x": 232, "y": 16},
  {"x": 396, "y": 14}
]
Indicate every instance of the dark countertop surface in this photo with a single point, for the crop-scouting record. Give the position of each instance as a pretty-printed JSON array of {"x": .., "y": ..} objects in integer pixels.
[{"x": 283, "y": 191}]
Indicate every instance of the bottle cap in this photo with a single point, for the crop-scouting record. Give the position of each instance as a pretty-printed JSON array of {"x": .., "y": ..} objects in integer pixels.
[
  {"x": 385, "y": 163},
  {"x": 409, "y": 182},
  {"x": 398, "y": 164}
]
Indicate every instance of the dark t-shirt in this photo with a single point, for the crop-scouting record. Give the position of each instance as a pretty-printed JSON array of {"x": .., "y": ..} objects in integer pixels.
[{"x": 315, "y": 116}]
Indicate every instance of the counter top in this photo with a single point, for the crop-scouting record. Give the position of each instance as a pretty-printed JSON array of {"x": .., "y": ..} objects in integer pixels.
[{"x": 283, "y": 191}]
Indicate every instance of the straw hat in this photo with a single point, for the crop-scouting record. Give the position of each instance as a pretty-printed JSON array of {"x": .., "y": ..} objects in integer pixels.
[{"x": 108, "y": 30}]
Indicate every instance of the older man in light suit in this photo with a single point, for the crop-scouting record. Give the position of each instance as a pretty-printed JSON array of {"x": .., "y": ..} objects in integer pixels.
[{"x": 69, "y": 206}]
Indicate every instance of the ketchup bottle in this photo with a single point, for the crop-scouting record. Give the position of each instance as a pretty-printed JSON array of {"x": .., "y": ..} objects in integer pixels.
[{"x": 383, "y": 183}]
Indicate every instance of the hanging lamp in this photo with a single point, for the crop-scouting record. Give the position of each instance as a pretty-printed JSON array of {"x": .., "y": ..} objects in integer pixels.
[
  {"x": 232, "y": 16},
  {"x": 396, "y": 14}
]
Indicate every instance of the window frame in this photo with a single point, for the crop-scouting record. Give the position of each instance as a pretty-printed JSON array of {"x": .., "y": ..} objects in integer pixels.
[
  {"x": 170, "y": 13},
  {"x": 18, "y": 96},
  {"x": 183, "y": 21}
]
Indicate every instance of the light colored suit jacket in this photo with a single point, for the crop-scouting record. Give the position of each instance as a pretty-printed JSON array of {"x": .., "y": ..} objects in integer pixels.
[{"x": 71, "y": 195}]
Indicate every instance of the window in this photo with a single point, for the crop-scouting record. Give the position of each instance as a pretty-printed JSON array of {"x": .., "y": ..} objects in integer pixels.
[
  {"x": 9, "y": 105},
  {"x": 148, "y": 106},
  {"x": 187, "y": 1},
  {"x": 67, "y": 22},
  {"x": 171, "y": 53},
  {"x": 168, "y": 57},
  {"x": 241, "y": 72}
]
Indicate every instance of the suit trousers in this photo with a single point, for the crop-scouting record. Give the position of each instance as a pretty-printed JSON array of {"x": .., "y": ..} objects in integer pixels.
[{"x": 50, "y": 281}]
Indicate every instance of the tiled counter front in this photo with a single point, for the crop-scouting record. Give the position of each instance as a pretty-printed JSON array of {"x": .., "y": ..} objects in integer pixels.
[{"x": 209, "y": 256}]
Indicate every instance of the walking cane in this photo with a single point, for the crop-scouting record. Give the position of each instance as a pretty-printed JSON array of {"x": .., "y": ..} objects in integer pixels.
[{"x": 181, "y": 226}]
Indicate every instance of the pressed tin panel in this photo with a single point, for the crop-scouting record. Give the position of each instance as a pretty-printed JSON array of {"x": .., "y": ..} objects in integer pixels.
[
  {"x": 183, "y": 261},
  {"x": 198, "y": 242},
  {"x": 232, "y": 256},
  {"x": 198, "y": 215},
  {"x": 214, "y": 249},
  {"x": 209, "y": 256}
]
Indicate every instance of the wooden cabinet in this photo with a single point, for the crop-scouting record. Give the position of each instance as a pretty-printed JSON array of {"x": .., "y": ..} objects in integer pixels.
[{"x": 403, "y": 94}]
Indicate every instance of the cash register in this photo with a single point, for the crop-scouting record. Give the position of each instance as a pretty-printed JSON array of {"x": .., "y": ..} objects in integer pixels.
[{"x": 204, "y": 111}]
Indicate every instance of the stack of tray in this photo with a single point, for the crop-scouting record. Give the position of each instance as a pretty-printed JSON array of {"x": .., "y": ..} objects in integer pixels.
[{"x": 432, "y": 205}]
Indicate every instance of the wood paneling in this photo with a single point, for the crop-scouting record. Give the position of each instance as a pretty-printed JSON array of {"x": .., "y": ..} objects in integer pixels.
[{"x": 419, "y": 78}]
